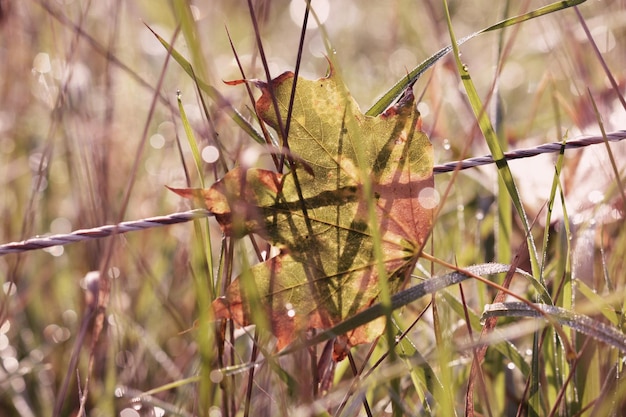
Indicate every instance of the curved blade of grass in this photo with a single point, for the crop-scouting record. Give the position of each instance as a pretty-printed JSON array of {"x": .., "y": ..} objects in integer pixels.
[
  {"x": 494, "y": 146},
  {"x": 394, "y": 92},
  {"x": 555, "y": 184},
  {"x": 191, "y": 138},
  {"x": 601, "y": 304},
  {"x": 401, "y": 299},
  {"x": 212, "y": 92},
  {"x": 506, "y": 349},
  {"x": 423, "y": 376},
  {"x": 579, "y": 322},
  {"x": 506, "y": 177}
]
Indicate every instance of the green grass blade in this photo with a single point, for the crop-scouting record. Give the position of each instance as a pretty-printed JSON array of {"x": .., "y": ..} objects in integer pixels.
[
  {"x": 579, "y": 322},
  {"x": 494, "y": 145},
  {"x": 555, "y": 184},
  {"x": 212, "y": 92},
  {"x": 191, "y": 139},
  {"x": 505, "y": 212},
  {"x": 394, "y": 92},
  {"x": 506, "y": 349},
  {"x": 402, "y": 298}
]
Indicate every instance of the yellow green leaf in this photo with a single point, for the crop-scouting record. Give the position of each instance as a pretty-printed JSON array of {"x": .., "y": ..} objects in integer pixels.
[{"x": 326, "y": 270}]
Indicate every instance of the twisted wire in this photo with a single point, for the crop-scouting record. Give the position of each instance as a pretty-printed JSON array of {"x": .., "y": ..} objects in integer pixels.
[
  {"x": 102, "y": 231},
  {"x": 182, "y": 217},
  {"x": 529, "y": 152}
]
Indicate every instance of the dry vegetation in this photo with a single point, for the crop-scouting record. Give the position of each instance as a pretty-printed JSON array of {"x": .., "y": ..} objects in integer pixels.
[{"x": 90, "y": 132}]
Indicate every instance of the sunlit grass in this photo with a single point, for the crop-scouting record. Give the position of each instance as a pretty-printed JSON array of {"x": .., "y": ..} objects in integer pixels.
[{"x": 76, "y": 84}]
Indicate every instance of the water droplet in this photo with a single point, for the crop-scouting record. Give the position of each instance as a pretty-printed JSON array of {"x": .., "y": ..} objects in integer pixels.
[
  {"x": 216, "y": 376},
  {"x": 290, "y": 310},
  {"x": 510, "y": 366},
  {"x": 119, "y": 392},
  {"x": 136, "y": 403},
  {"x": 129, "y": 412},
  {"x": 157, "y": 141},
  {"x": 446, "y": 144},
  {"x": 595, "y": 196},
  {"x": 210, "y": 154}
]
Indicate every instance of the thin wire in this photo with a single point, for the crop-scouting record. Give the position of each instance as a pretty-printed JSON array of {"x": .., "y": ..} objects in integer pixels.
[
  {"x": 182, "y": 217},
  {"x": 529, "y": 152},
  {"x": 102, "y": 231}
]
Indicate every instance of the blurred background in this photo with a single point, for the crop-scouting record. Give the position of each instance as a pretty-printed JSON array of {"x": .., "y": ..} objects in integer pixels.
[{"x": 90, "y": 135}]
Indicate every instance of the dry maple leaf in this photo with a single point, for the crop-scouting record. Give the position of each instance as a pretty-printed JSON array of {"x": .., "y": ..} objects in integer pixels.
[{"x": 327, "y": 270}]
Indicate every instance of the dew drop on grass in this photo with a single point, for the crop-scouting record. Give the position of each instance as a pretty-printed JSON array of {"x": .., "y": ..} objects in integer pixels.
[
  {"x": 129, "y": 412},
  {"x": 595, "y": 196},
  {"x": 216, "y": 376},
  {"x": 210, "y": 154},
  {"x": 157, "y": 141},
  {"x": 136, "y": 404}
]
